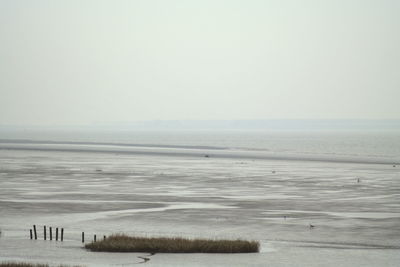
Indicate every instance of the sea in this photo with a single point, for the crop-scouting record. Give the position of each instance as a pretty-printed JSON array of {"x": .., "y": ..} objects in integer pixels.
[{"x": 311, "y": 198}]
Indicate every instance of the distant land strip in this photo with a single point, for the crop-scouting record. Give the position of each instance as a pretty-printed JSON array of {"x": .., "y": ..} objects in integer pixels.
[
  {"x": 48, "y": 142},
  {"x": 173, "y": 151}
]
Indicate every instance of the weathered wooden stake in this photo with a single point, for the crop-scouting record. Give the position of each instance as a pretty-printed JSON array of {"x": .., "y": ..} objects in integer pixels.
[
  {"x": 44, "y": 231},
  {"x": 94, "y": 238},
  {"x": 51, "y": 233},
  {"x": 34, "y": 231},
  {"x": 57, "y": 234},
  {"x": 62, "y": 234},
  {"x": 83, "y": 237},
  {"x": 30, "y": 232}
]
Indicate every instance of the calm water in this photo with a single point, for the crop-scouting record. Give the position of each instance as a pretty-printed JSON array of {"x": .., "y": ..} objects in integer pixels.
[
  {"x": 254, "y": 185},
  {"x": 360, "y": 144}
]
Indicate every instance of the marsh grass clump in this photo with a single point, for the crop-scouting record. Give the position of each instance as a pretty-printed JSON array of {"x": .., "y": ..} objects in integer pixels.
[
  {"x": 24, "y": 264},
  {"x": 21, "y": 264},
  {"x": 123, "y": 243}
]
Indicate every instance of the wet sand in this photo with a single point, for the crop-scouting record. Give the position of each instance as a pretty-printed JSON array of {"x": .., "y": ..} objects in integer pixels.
[{"x": 273, "y": 201}]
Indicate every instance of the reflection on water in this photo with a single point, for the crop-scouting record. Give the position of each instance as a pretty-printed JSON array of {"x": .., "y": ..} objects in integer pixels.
[{"x": 354, "y": 205}]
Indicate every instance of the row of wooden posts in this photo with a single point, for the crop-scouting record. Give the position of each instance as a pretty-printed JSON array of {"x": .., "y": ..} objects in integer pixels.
[
  {"x": 94, "y": 237},
  {"x": 33, "y": 234}
]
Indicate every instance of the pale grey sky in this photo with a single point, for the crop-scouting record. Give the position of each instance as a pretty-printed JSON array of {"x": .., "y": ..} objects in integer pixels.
[{"x": 78, "y": 62}]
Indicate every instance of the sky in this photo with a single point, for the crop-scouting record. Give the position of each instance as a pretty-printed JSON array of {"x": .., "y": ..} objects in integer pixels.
[{"x": 83, "y": 62}]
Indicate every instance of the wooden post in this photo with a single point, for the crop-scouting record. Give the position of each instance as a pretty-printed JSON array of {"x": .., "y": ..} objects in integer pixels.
[
  {"x": 44, "y": 231},
  {"x": 57, "y": 234},
  {"x": 30, "y": 232},
  {"x": 94, "y": 238},
  {"x": 83, "y": 237},
  {"x": 34, "y": 231},
  {"x": 62, "y": 234},
  {"x": 51, "y": 233}
]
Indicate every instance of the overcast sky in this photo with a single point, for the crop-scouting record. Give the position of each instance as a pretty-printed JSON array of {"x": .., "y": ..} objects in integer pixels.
[{"x": 78, "y": 62}]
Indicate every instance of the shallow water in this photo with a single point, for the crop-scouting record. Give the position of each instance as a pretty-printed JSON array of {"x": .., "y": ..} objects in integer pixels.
[{"x": 355, "y": 208}]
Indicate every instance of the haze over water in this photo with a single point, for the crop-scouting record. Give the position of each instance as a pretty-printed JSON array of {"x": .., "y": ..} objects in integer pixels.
[{"x": 269, "y": 120}]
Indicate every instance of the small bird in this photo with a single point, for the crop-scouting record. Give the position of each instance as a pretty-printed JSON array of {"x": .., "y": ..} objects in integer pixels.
[
  {"x": 358, "y": 180},
  {"x": 311, "y": 226}
]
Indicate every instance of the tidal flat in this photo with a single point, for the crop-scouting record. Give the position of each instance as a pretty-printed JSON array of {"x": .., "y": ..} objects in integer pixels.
[{"x": 353, "y": 207}]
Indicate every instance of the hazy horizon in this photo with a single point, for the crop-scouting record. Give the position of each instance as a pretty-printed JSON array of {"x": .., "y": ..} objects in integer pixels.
[
  {"x": 95, "y": 62},
  {"x": 268, "y": 125},
  {"x": 274, "y": 121}
]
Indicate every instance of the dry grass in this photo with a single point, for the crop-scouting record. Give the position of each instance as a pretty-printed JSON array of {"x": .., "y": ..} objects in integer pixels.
[
  {"x": 24, "y": 264},
  {"x": 123, "y": 243}
]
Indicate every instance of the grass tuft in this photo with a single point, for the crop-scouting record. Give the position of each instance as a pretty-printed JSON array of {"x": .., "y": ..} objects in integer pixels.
[
  {"x": 21, "y": 264},
  {"x": 123, "y": 243},
  {"x": 24, "y": 264}
]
